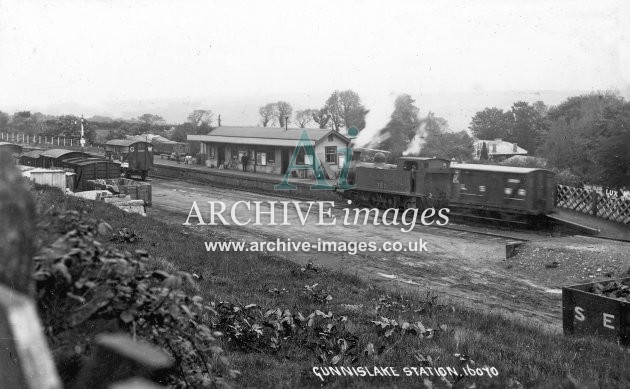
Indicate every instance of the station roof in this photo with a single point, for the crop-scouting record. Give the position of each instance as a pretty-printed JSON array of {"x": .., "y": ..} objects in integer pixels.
[
  {"x": 422, "y": 159},
  {"x": 266, "y": 136},
  {"x": 493, "y": 168}
]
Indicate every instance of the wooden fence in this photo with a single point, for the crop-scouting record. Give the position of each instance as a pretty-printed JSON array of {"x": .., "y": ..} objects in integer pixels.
[
  {"x": 39, "y": 139},
  {"x": 593, "y": 203}
]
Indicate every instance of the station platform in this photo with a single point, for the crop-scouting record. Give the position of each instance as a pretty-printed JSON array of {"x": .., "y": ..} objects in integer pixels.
[
  {"x": 233, "y": 172},
  {"x": 249, "y": 180},
  {"x": 607, "y": 228}
]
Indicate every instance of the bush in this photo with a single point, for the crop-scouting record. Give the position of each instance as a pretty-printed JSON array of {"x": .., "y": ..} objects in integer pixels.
[
  {"x": 84, "y": 287},
  {"x": 525, "y": 161},
  {"x": 568, "y": 178}
]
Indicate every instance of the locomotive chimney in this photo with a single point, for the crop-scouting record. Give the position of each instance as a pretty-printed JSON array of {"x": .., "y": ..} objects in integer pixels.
[{"x": 219, "y": 120}]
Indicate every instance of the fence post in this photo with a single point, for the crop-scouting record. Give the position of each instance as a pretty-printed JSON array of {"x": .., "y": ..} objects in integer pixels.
[
  {"x": 25, "y": 360},
  {"x": 595, "y": 197},
  {"x": 17, "y": 223}
]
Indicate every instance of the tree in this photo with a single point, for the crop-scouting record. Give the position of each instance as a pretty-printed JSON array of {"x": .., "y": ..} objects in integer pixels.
[
  {"x": 612, "y": 154},
  {"x": 23, "y": 121},
  {"x": 201, "y": 116},
  {"x": 402, "y": 127},
  {"x": 491, "y": 123},
  {"x": 321, "y": 117},
  {"x": 283, "y": 112},
  {"x": 580, "y": 138},
  {"x": 529, "y": 126},
  {"x": 345, "y": 110},
  {"x": 267, "y": 114},
  {"x": 435, "y": 124},
  {"x": 449, "y": 145},
  {"x": 4, "y": 120},
  {"x": 150, "y": 119},
  {"x": 182, "y": 131},
  {"x": 304, "y": 117}
]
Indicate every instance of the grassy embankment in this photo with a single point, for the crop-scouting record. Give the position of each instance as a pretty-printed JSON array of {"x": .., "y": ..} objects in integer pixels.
[{"x": 522, "y": 354}]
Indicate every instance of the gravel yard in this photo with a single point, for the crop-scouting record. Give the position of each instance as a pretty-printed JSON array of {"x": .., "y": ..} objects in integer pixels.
[{"x": 570, "y": 260}]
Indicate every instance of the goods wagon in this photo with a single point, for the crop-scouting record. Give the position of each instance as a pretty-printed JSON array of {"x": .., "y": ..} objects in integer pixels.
[
  {"x": 412, "y": 183},
  {"x": 135, "y": 157},
  {"x": 54, "y": 157},
  {"x": 32, "y": 158},
  {"x": 598, "y": 308},
  {"x": 10, "y": 148},
  {"x": 91, "y": 169},
  {"x": 502, "y": 191}
]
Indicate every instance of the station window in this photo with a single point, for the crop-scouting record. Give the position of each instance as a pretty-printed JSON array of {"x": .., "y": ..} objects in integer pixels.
[
  {"x": 331, "y": 154},
  {"x": 261, "y": 158},
  {"x": 271, "y": 156},
  {"x": 303, "y": 158}
]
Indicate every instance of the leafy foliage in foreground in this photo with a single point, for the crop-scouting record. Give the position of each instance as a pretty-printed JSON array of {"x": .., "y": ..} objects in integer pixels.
[
  {"x": 271, "y": 282},
  {"x": 81, "y": 282}
]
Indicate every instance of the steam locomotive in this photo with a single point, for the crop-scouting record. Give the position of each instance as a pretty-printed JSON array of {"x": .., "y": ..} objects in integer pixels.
[{"x": 485, "y": 191}]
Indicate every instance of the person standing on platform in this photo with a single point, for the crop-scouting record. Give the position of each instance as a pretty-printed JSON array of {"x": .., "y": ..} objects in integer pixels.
[{"x": 244, "y": 160}]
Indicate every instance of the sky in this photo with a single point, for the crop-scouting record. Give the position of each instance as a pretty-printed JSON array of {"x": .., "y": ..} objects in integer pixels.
[{"x": 123, "y": 58}]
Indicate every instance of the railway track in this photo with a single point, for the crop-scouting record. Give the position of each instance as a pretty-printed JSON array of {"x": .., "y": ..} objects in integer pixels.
[{"x": 461, "y": 231}]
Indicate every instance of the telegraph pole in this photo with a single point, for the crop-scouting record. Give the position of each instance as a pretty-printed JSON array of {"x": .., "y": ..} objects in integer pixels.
[{"x": 82, "y": 138}]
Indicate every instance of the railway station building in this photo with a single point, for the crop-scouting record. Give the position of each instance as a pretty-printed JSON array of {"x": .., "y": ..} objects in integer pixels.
[{"x": 270, "y": 149}]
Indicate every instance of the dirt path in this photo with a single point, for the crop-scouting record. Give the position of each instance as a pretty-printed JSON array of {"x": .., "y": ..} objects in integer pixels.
[{"x": 470, "y": 269}]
